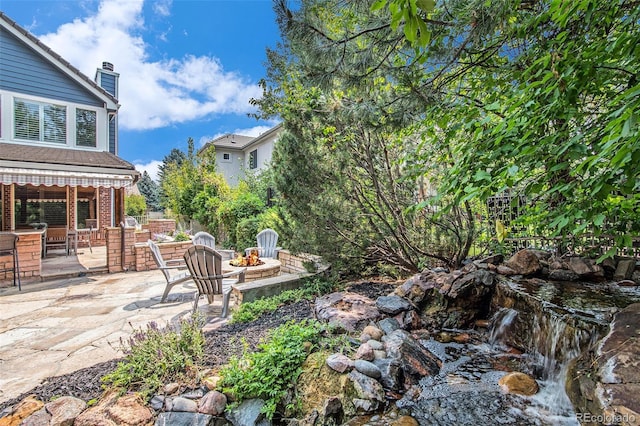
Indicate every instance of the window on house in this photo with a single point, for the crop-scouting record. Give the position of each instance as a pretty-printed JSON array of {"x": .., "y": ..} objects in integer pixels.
[
  {"x": 85, "y": 127},
  {"x": 39, "y": 204},
  {"x": 41, "y": 122},
  {"x": 226, "y": 156},
  {"x": 253, "y": 159}
]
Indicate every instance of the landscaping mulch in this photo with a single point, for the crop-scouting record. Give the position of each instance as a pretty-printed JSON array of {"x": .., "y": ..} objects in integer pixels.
[{"x": 220, "y": 345}]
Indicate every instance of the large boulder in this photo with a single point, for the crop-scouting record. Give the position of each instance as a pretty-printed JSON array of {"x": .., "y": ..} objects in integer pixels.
[
  {"x": 524, "y": 262},
  {"x": 607, "y": 383},
  {"x": 349, "y": 311},
  {"x": 413, "y": 359}
]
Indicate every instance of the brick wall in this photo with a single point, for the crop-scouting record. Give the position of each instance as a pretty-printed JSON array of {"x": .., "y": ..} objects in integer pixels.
[
  {"x": 6, "y": 207},
  {"x": 104, "y": 207},
  {"x": 71, "y": 196},
  {"x": 29, "y": 258},
  {"x": 114, "y": 251},
  {"x": 292, "y": 264},
  {"x": 143, "y": 236},
  {"x": 161, "y": 226},
  {"x": 144, "y": 259}
]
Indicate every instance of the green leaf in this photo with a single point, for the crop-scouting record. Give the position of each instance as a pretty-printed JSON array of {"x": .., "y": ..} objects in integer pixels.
[
  {"x": 378, "y": 5},
  {"x": 426, "y": 5}
]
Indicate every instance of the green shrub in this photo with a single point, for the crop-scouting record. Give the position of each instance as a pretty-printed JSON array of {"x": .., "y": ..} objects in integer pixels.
[
  {"x": 271, "y": 371},
  {"x": 246, "y": 232},
  {"x": 181, "y": 236},
  {"x": 135, "y": 205},
  {"x": 252, "y": 310},
  {"x": 157, "y": 356}
]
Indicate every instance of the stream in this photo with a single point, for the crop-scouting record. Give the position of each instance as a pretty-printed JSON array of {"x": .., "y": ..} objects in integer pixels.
[{"x": 537, "y": 328}]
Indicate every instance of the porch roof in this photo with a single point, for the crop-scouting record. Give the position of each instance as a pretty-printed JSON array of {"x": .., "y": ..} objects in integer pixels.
[
  {"x": 36, "y": 177},
  {"x": 43, "y": 165}
]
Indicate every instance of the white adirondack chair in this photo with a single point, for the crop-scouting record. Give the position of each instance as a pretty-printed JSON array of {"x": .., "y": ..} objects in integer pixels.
[
  {"x": 166, "y": 267},
  {"x": 267, "y": 240}
]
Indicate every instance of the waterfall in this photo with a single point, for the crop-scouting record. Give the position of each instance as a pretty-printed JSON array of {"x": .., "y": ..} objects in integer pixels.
[{"x": 551, "y": 341}]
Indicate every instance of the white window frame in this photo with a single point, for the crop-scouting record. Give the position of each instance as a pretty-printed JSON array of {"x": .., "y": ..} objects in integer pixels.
[
  {"x": 41, "y": 120},
  {"x": 226, "y": 157},
  {"x": 95, "y": 130}
]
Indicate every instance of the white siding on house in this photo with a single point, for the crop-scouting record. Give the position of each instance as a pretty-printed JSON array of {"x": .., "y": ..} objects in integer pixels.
[{"x": 231, "y": 169}]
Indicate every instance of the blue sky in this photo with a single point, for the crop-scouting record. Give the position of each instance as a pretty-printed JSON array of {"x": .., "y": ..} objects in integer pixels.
[{"x": 188, "y": 68}]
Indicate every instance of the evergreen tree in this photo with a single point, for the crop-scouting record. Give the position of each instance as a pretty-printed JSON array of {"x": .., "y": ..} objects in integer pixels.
[{"x": 151, "y": 192}]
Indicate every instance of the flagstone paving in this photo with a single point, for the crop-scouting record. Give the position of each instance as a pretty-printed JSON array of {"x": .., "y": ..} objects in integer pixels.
[{"x": 57, "y": 327}]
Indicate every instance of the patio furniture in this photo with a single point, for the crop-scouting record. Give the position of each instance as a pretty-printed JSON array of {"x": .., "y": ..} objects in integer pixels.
[
  {"x": 267, "y": 240},
  {"x": 166, "y": 267},
  {"x": 56, "y": 238},
  {"x": 206, "y": 239},
  {"x": 9, "y": 247},
  {"x": 205, "y": 266}
]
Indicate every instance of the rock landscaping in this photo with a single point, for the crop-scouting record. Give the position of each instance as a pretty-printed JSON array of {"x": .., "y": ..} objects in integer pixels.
[{"x": 410, "y": 357}]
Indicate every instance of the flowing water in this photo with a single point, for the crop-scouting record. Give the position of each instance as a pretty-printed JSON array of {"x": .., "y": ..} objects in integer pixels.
[{"x": 547, "y": 326}]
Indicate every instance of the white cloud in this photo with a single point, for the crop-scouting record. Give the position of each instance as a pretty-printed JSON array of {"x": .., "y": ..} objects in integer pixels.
[
  {"x": 152, "y": 168},
  {"x": 152, "y": 94}
]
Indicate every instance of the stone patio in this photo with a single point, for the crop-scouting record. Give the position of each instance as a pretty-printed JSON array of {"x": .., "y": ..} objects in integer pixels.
[{"x": 60, "y": 326}]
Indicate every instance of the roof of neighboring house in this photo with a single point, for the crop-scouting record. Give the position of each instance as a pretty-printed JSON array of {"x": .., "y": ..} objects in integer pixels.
[
  {"x": 239, "y": 142},
  {"x": 55, "y": 58},
  {"x": 63, "y": 156},
  {"x": 264, "y": 135},
  {"x": 230, "y": 141}
]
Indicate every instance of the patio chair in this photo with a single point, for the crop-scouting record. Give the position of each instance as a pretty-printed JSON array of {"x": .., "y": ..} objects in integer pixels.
[
  {"x": 9, "y": 247},
  {"x": 206, "y": 239},
  {"x": 267, "y": 240},
  {"x": 166, "y": 267},
  {"x": 56, "y": 238},
  {"x": 205, "y": 266}
]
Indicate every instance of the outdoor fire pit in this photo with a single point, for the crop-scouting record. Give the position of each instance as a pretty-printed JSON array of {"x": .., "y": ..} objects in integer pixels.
[{"x": 251, "y": 260}]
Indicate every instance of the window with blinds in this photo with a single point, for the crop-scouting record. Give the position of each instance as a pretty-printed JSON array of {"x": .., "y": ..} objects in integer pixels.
[
  {"x": 85, "y": 127},
  {"x": 253, "y": 159},
  {"x": 40, "y": 122}
]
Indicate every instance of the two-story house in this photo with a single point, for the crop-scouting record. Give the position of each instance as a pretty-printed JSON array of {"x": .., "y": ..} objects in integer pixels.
[
  {"x": 59, "y": 161},
  {"x": 237, "y": 154}
]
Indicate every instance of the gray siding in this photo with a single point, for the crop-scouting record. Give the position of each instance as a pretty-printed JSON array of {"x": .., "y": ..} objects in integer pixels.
[{"x": 24, "y": 71}]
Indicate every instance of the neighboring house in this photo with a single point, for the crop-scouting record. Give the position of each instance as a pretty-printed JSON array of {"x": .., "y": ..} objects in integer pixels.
[
  {"x": 237, "y": 154},
  {"x": 59, "y": 159}
]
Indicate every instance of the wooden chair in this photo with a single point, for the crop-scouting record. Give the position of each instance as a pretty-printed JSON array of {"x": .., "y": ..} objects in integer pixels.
[
  {"x": 267, "y": 240},
  {"x": 56, "y": 238},
  {"x": 205, "y": 266},
  {"x": 166, "y": 267},
  {"x": 206, "y": 239},
  {"x": 9, "y": 247}
]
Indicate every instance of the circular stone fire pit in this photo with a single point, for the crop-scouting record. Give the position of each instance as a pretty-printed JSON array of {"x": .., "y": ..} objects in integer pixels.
[{"x": 270, "y": 268}]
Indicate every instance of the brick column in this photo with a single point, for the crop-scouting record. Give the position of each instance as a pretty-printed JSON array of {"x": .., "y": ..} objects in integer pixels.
[
  {"x": 114, "y": 249},
  {"x": 7, "y": 207},
  {"x": 104, "y": 207},
  {"x": 71, "y": 207}
]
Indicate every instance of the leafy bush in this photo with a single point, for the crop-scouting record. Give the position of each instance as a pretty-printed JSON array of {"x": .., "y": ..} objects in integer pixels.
[
  {"x": 242, "y": 205},
  {"x": 181, "y": 236},
  {"x": 246, "y": 232},
  {"x": 135, "y": 205},
  {"x": 157, "y": 356},
  {"x": 273, "y": 369},
  {"x": 252, "y": 310}
]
